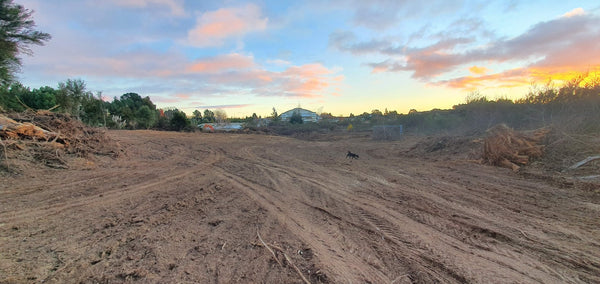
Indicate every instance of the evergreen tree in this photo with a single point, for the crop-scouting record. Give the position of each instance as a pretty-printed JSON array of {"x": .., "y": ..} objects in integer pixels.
[{"x": 16, "y": 33}]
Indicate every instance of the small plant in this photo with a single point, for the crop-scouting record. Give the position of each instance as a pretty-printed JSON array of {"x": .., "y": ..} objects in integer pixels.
[{"x": 349, "y": 128}]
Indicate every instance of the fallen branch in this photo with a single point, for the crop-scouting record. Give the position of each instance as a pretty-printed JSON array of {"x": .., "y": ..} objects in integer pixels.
[
  {"x": 50, "y": 109},
  {"x": 270, "y": 250},
  {"x": 287, "y": 258},
  {"x": 295, "y": 267},
  {"x": 584, "y": 161},
  {"x": 22, "y": 103},
  {"x": 272, "y": 245},
  {"x": 588, "y": 177}
]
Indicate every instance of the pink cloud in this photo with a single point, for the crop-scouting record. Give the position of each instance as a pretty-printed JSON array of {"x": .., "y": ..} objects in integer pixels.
[
  {"x": 220, "y": 63},
  {"x": 213, "y": 28},
  {"x": 564, "y": 44},
  {"x": 182, "y": 96},
  {"x": 506, "y": 79},
  {"x": 308, "y": 81}
]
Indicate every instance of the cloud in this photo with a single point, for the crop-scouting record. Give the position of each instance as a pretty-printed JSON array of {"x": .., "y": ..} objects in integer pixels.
[
  {"x": 242, "y": 72},
  {"x": 279, "y": 62},
  {"x": 478, "y": 70},
  {"x": 217, "y": 64},
  {"x": 182, "y": 96},
  {"x": 175, "y": 6},
  {"x": 384, "y": 14},
  {"x": 566, "y": 43},
  {"x": 574, "y": 12},
  {"x": 114, "y": 52},
  {"x": 214, "y": 28},
  {"x": 347, "y": 41},
  {"x": 223, "y": 106},
  {"x": 506, "y": 79}
]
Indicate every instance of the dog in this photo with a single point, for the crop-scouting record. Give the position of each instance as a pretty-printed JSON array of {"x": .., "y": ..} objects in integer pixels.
[{"x": 352, "y": 155}]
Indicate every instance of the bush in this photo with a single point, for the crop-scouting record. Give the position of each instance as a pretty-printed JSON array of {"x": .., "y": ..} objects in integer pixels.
[{"x": 179, "y": 121}]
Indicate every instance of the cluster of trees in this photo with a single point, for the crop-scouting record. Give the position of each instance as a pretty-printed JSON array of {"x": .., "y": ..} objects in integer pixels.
[
  {"x": 574, "y": 106},
  {"x": 129, "y": 111}
]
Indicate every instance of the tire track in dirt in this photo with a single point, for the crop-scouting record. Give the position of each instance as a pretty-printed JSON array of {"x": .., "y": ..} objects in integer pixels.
[
  {"x": 536, "y": 271},
  {"x": 489, "y": 238},
  {"x": 382, "y": 219},
  {"x": 342, "y": 266},
  {"x": 114, "y": 195},
  {"x": 360, "y": 207}
]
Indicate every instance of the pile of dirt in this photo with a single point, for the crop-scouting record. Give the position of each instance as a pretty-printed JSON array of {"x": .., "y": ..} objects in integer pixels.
[
  {"x": 508, "y": 148},
  {"x": 48, "y": 138},
  {"x": 446, "y": 147}
]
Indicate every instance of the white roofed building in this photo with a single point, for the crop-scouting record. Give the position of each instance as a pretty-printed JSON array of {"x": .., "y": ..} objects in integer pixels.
[{"x": 307, "y": 115}]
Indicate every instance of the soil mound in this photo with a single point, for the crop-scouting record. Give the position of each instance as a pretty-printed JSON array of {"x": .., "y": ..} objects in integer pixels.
[{"x": 446, "y": 148}]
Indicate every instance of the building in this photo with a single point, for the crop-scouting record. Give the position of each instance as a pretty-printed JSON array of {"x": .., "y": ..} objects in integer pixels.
[{"x": 307, "y": 115}]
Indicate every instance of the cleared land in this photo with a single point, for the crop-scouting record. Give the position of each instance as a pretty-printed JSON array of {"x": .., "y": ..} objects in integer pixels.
[{"x": 188, "y": 207}]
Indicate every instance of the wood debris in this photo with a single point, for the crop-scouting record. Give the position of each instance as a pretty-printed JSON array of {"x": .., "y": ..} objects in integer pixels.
[
  {"x": 45, "y": 137},
  {"x": 507, "y": 148}
]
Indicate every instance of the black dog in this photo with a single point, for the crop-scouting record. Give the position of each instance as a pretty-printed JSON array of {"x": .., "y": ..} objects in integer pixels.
[{"x": 351, "y": 155}]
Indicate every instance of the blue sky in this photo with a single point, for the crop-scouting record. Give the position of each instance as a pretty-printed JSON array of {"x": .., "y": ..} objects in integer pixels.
[{"x": 340, "y": 56}]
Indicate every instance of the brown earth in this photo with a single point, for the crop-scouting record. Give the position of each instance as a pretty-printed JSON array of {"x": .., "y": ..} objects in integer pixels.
[{"x": 188, "y": 207}]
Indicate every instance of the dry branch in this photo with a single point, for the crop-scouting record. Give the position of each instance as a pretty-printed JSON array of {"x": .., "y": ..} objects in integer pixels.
[
  {"x": 287, "y": 258},
  {"x": 510, "y": 149},
  {"x": 584, "y": 161},
  {"x": 295, "y": 267},
  {"x": 270, "y": 250}
]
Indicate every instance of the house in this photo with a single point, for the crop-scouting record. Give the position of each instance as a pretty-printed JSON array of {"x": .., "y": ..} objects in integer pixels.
[
  {"x": 307, "y": 115},
  {"x": 221, "y": 126}
]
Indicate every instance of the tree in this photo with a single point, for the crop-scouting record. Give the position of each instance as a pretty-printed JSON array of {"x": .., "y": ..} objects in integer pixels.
[
  {"x": 70, "y": 95},
  {"x": 137, "y": 112},
  {"x": 16, "y": 33},
  {"x": 10, "y": 95},
  {"x": 296, "y": 118},
  {"x": 179, "y": 121},
  {"x": 275, "y": 116},
  {"x": 209, "y": 116},
  {"x": 144, "y": 117},
  {"x": 196, "y": 117},
  {"x": 42, "y": 98},
  {"x": 220, "y": 116},
  {"x": 93, "y": 110}
]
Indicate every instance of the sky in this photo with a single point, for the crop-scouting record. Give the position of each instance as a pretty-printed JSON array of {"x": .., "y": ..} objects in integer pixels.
[{"x": 338, "y": 56}]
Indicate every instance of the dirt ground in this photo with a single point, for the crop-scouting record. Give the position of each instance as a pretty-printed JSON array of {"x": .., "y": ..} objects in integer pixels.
[{"x": 189, "y": 208}]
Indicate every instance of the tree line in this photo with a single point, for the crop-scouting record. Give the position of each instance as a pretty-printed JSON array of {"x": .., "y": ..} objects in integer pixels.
[{"x": 129, "y": 111}]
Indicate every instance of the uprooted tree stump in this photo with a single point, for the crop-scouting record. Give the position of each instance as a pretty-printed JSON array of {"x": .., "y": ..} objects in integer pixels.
[
  {"x": 507, "y": 148},
  {"x": 11, "y": 129}
]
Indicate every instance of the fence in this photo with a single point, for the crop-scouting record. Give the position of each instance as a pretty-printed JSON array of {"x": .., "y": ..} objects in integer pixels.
[{"x": 387, "y": 132}]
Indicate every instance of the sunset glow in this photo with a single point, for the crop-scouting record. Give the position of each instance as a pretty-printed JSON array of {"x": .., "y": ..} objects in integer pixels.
[{"x": 339, "y": 56}]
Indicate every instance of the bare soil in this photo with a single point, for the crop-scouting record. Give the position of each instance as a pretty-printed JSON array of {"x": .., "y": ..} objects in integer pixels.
[{"x": 188, "y": 208}]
